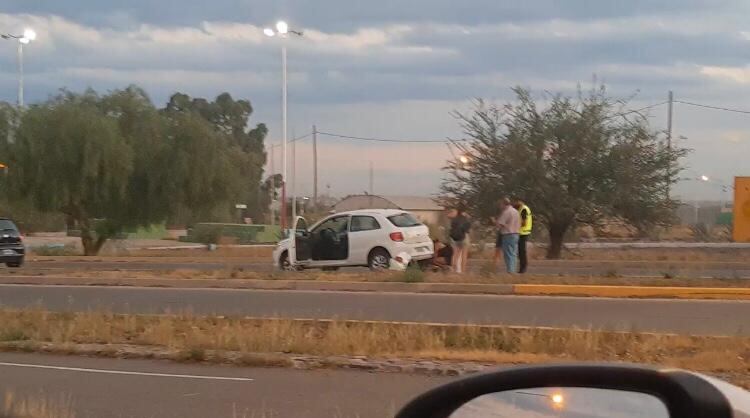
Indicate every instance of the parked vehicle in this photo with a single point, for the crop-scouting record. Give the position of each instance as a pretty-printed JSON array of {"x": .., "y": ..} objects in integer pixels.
[
  {"x": 12, "y": 250},
  {"x": 369, "y": 237}
]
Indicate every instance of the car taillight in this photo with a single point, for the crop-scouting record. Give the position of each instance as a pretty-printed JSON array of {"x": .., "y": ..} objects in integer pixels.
[{"x": 397, "y": 236}]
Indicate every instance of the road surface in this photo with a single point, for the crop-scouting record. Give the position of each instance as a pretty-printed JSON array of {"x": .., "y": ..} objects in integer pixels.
[
  {"x": 572, "y": 267},
  {"x": 157, "y": 389},
  {"x": 657, "y": 315}
]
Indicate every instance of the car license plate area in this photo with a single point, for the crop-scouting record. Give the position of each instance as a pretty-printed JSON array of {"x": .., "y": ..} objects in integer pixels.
[{"x": 9, "y": 252}]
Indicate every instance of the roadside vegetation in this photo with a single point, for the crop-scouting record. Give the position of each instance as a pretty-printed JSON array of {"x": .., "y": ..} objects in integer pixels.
[
  {"x": 197, "y": 338},
  {"x": 190, "y": 161},
  {"x": 41, "y": 405},
  {"x": 580, "y": 160}
]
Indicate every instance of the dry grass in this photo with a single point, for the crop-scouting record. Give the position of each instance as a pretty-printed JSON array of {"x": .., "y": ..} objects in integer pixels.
[
  {"x": 41, "y": 406},
  {"x": 195, "y": 336}
]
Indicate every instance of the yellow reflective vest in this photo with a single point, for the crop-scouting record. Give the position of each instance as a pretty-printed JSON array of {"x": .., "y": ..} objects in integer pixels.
[{"x": 525, "y": 229}]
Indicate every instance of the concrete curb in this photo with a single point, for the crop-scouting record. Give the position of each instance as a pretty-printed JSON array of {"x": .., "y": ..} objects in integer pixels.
[
  {"x": 633, "y": 291},
  {"x": 240, "y": 359},
  {"x": 398, "y": 287}
]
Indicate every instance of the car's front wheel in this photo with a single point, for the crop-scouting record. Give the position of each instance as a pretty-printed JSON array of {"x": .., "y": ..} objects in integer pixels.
[
  {"x": 285, "y": 264},
  {"x": 379, "y": 260},
  {"x": 14, "y": 265}
]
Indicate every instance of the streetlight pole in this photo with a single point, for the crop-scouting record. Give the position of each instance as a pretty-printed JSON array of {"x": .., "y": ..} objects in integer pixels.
[
  {"x": 28, "y": 36},
  {"x": 283, "y": 138},
  {"x": 20, "y": 74},
  {"x": 283, "y": 31}
]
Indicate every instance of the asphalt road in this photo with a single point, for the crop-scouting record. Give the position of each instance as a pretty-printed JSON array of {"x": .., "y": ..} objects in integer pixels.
[
  {"x": 272, "y": 393},
  {"x": 657, "y": 315},
  {"x": 568, "y": 267}
]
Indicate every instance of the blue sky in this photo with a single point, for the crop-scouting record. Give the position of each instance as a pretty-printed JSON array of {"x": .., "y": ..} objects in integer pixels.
[{"x": 397, "y": 69}]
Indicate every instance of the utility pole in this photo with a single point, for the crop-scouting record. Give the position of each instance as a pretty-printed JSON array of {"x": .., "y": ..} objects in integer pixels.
[
  {"x": 294, "y": 179},
  {"x": 372, "y": 180},
  {"x": 371, "y": 184},
  {"x": 273, "y": 187},
  {"x": 670, "y": 105},
  {"x": 315, "y": 165},
  {"x": 20, "y": 75},
  {"x": 284, "y": 139}
]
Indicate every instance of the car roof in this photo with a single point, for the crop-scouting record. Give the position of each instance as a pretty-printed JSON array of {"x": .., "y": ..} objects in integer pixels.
[{"x": 383, "y": 212}]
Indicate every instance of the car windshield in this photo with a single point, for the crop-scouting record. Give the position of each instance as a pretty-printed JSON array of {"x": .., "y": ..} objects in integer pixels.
[
  {"x": 404, "y": 220},
  {"x": 7, "y": 225}
]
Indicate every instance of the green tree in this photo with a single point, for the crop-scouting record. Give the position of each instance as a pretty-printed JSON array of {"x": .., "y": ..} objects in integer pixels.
[
  {"x": 578, "y": 160},
  {"x": 69, "y": 157},
  {"x": 113, "y": 163},
  {"x": 229, "y": 118}
]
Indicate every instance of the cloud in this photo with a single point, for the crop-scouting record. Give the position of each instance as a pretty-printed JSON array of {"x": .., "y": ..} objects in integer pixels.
[
  {"x": 395, "y": 69},
  {"x": 740, "y": 75}
]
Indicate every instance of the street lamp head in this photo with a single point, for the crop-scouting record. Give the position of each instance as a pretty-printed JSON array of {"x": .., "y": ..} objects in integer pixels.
[
  {"x": 282, "y": 27},
  {"x": 24, "y": 41},
  {"x": 269, "y": 32},
  {"x": 704, "y": 178},
  {"x": 463, "y": 159},
  {"x": 29, "y": 34}
]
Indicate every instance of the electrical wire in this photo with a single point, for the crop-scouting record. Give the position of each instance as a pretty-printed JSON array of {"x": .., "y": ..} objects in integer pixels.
[
  {"x": 726, "y": 109},
  {"x": 639, "y": 110},
  {"x": 407, "y": 141},
  {"x": 299, "y": 138}
]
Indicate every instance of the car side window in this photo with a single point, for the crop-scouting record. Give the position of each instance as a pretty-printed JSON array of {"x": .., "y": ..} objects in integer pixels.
[
  {"x": 364, "y": 223},
  {"x": 338, "y": 224}
]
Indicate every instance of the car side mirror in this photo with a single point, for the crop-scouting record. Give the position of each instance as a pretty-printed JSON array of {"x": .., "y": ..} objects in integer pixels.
[{"x": 574, "y": 391}]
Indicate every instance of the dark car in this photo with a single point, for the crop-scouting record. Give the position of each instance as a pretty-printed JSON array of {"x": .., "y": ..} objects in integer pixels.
[{"x": 12, "y": 250}]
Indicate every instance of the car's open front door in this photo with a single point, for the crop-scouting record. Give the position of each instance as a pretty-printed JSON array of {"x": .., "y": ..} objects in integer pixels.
[{"x": 300, "y": 251}]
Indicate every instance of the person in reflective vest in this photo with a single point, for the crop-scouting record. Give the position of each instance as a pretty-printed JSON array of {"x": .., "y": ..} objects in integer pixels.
[{"x": 526, "y": 224}]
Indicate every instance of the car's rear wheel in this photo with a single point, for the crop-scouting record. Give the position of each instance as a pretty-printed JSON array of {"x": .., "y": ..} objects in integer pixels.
[
  {"x": 14, "y": 264},
  {"x": 379, "y": 260}
]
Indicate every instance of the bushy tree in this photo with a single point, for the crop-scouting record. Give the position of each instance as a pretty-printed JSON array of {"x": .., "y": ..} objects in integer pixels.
[
  {"x": 229, "y": 118},
  {"x": 70, "y": 157},
  {"x": 113, "y": 163},
  {"x": 575, "y": 160}
]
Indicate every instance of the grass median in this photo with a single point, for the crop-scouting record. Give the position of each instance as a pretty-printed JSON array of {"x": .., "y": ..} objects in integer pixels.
[{"x": 200, "y": 338}]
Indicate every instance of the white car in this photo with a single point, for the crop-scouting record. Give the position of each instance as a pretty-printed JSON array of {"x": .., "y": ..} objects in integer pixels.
[{"x": 368, "y": 238}]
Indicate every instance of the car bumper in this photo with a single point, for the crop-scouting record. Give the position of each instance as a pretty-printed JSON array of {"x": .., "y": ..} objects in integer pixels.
[
  {"x": 420, "y": 251},
  {"x": 12, "y": 254}
]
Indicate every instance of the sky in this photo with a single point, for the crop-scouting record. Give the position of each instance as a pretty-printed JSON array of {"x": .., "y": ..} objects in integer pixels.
[{"x": 398, "y": 69}]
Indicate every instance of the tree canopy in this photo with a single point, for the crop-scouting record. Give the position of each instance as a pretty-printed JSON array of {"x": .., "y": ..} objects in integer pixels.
[
  {"x": 574, "y": 160},
  {"x": 114, "y": 162}
]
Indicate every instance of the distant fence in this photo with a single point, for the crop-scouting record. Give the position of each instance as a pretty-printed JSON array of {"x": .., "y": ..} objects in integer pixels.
[{"x": 223, "y": 233}]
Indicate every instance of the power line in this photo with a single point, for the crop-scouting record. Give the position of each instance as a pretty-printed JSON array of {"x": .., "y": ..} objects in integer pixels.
[
  {"x": 638, "y": 110},
  {"x": 409, "y": 141},
  {"x": 726, "y": 109},
  {"x": 299, "y": 138}
]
